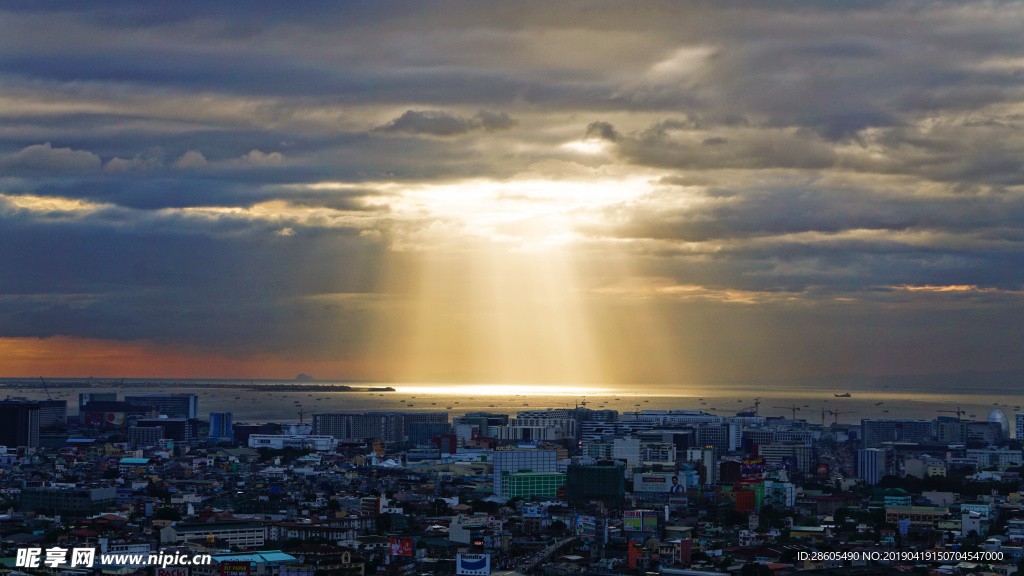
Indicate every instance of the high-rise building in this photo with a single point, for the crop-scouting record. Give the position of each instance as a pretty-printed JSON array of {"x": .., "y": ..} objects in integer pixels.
[
  {"x": 987, "y": 432},
  {"x": 177, "y": 405},
  {"x": 111, "y": 414},
  {"x": 485, "y": 422},
  {"x": 144, "y": 437},
  {"x": 871, "y": 465},
  {"x": 793, "y": 453},
  {"x": 53, "y": 414},
  {"x": 1019, "y": 426},
  {"x": 85, "y": 397},
  {"x": 604, "y": 483},
  {"x": 424, "y": 432},
  {"x": 220, "y": 426},
  {"x": 522, "y": 460},
  {"x": 717, "y": 435},
  {"x": 951, "y": 431},
  {"x": 241, "y": 432},
  {"x": 409, "y": 418},
  {"x": 532, "y": 484},
  {"x": 19, "y": 424},
  {"x": 596, "y": 431},
  {"x": 68, "y": 502},
  {"x": 877, "y": 432},
  {"x": 387, "y": 426},
  {"x": 181, "y": 430}
]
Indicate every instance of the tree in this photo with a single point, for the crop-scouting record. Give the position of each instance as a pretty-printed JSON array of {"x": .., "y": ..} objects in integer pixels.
[
  {"x": 808, "y": 520},
  {"x": 484, "y": 506},
  {"x": 840, "y": 516}
]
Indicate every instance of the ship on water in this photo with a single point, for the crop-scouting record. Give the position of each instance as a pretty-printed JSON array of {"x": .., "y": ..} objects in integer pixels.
[{"x": 844, "y": 395}]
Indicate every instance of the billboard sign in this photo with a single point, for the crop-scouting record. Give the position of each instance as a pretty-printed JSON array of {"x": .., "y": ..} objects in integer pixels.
[
  {"x": 297, "y": 570},
  {"x": 180, "y": 571},
  {"x": 650, "y": 521},
  {"x": 473, "y": 564},
  {"x": 640, "y": 521},
  {"x": 586, "y": 526},
  {"x": 665, "y": 483},
  {"x": 535, "y": 511},
  {"x": 632, "y": 520},
  {"x": 235, "y": 568},
  {"x": 402, "y": 546},
  {"x": 104, "y": 418},
  {"x": 752, "y": 466}
]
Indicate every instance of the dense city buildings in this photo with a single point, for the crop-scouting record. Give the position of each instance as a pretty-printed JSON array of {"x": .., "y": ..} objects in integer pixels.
[{"x": 545, "y": 491}]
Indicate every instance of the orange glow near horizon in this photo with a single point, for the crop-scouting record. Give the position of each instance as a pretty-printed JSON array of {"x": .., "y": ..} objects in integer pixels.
[{"x": 65, "y": 357}]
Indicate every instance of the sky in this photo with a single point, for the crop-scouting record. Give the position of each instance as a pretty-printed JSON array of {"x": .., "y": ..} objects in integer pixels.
[{"x": 577, "y": 192}]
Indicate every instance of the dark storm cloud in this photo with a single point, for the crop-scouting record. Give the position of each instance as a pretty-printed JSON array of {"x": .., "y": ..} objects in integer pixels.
[
  {"x": 45, "y": 159},
  {"x": 440, "y": 123},
  {"x": 826, "y": 241},
  {"x": 602, "y": 130},
  {"x": 173, "y": 277}
]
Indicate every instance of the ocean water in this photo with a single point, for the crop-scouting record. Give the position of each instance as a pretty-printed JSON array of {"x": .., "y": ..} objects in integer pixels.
[{"x": 457, "y": 399}]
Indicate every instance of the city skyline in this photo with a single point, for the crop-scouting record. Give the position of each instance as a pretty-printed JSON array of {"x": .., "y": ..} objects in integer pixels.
[{"x": 582, "y": 194}]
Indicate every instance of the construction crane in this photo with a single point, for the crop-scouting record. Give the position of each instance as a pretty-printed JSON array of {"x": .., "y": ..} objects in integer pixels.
[
  {"x": 757, "y": 403},
  {"x": 835, "y": 416},
  {"x": 794, "y": 408},
  {"x": 46, "y": 388},
  {"x": 958, "y": 412}
]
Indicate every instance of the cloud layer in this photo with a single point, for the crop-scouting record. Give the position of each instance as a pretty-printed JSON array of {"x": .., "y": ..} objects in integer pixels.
[{"x": 271, "y": 181}]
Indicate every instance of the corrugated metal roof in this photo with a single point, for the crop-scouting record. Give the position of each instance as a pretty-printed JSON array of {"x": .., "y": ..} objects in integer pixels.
[{"x": 267, "y": 556}]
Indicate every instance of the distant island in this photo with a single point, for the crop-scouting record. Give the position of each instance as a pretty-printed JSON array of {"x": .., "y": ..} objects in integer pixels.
[{"x": 304, "y": 378}]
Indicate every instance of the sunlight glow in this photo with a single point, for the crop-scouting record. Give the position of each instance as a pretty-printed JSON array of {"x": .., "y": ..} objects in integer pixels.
[
  {"x": 501, "y": 390},
  {"x": 502, "y": 302},
  {"x": 591, "y": 146},
  {"x": 50, "y": 203}
]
